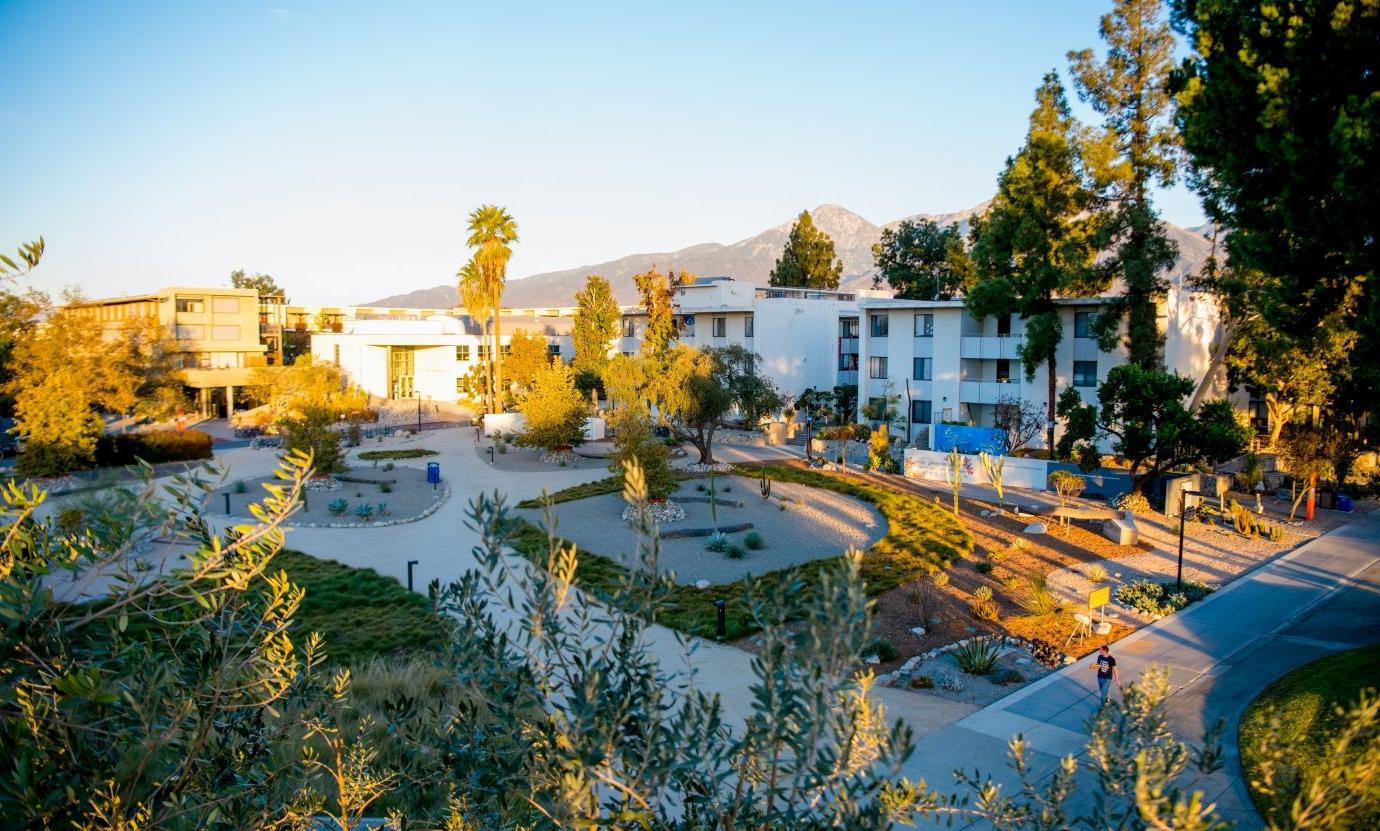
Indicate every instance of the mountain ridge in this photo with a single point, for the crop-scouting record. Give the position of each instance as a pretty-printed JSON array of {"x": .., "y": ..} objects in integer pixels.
[{"x": 747, "y": 260}]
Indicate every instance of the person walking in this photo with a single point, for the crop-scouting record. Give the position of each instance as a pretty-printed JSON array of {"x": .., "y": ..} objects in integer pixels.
[{"x": 1107, "y": 673}]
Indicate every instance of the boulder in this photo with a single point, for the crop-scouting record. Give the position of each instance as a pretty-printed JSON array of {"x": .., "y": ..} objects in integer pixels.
[
  {"x": 1122, "y": 531},
  {"x": 1036, "y": 528}
]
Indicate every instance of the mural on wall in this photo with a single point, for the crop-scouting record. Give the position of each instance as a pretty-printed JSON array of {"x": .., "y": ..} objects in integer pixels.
[{"x": 970, "y": 440}]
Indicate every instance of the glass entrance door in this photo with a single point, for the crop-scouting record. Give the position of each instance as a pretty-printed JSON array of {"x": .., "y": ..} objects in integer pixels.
[{"x": 400, "y": 370}]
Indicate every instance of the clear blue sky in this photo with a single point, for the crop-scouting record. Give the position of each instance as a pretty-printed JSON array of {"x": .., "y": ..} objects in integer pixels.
[{"x": 339, "y": 146}]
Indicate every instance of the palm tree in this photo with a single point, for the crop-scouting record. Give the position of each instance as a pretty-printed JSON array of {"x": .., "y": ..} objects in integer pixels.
[
  {"x": 492, "y": 233},
  {"x": 474, "y": 296}
]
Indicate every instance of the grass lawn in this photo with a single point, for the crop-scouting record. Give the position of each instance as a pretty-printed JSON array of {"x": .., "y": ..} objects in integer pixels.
[
  {"x": 408, "y": 453},
  {"x": 361, "y": 613},
  {"x": 1305, "y": 700},
  {"x": 920, "y": 538}
]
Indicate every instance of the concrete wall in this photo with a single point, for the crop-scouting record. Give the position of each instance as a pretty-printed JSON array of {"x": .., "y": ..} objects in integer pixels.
[{"x": 1017, "y": 472}]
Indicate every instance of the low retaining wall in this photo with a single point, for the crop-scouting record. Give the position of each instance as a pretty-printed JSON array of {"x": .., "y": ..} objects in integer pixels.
[{"x": 1017, "y": 472}]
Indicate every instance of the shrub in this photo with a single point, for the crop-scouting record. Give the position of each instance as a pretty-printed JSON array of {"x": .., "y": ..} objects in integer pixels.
[
  {"x": 718, "y": 542},
  {"x": 984, "y": 608},
  {"x": 384, "y": 487},
  {"x": 1160, "y": 598},
  {"x": 699, "y": 486},
  {"x": 923, "y": 598},
  {"x": 338, "y": 506},
  {"x": 382, "y": 509},
  {"x": 997, "y": 556},
  {"x": 353, "y": 434},
  {"x": 983, "y": 566},
  {"x": 1135, "y": 502},
  {"x": 365, "y": 511},
  {"x": 388, "y": 466},
  {"x": 154, "y": 447},
  {"x": 879, "y": 456},
  {"x": 940, "y": 578},
  {"x": 1008, "y": 676},
  {"x": 1011, "y": 582},
  {"x": 727, "y": 488},
  {"x": 983, "y": 593},
  {"x": 69, "y": 520},
  {"x": 1276, "y": 534},
  {"x": 1096, "y": 573},
  {"x": 735, "y": 552},
  {"x": 502, "y": 449},
  {"x": 635, "y": 440},
  {"x": 922, "y": 682},
  {"x": 311, "y": 432},
  {"x": 978, "y": 656},
  {"x": 753, "y": 540},
  {"x": 1037, "y": 600},
  {"x": 241, "y": 487},
  {"x": 881, "y": 648}
]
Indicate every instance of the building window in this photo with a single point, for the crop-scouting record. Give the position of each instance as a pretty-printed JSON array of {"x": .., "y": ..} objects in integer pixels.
[
  {"x": 225, "y": 333},
  {"x": 553, "y": 350},
  {"x": 848, "y": 327},
  {"x": 1085, "y": 373},
  {"x": 629, "y": 327},
  {"x": 462, "y": 352},
  {"x": 876, "y": 366},
  {"x": 747, "y": 326},
  {"x": 848, "y": 361},
  {"x": 919, "y": 412},
  {"x": 720, "y": 327},
  {"x": 336, "y": 349},
  {"x": 923, "y": 368},
  {"x": 191, "y": 305},
  {"x": 190, "y": 332},
  {"x": 505, "y": 349},
  {"x": 924, "y": 326},
  {"x": 460, "y": 388},
  {"x": 1003, "y": 370},
  {"x": 1004, "y": 326},
  {"x": 483, "y": 351},
  {"x": 225, "y": 305},
  {"x": 879, "y": 325},
  {"x": 1083, "y": 324}
]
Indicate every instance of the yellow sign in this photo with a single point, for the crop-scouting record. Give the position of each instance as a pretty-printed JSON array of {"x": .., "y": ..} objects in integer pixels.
[{"x": 1099, "y": 597}]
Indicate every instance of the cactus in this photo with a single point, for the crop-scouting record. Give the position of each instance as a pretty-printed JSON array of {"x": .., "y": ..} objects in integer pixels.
[
  {"x": 1245, "y": 523},
  {"x": 764, "y": 485}
]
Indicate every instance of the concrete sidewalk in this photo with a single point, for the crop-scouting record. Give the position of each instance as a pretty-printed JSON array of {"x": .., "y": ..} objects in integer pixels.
[{"x": 1221, "y": 652}]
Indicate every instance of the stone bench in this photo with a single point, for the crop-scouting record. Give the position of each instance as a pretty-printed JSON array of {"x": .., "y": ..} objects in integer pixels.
[{"x": 1121, "y": 530}]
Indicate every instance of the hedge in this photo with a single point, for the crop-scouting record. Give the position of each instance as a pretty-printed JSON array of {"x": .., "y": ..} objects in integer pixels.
[{"x": 153, "y": 447}]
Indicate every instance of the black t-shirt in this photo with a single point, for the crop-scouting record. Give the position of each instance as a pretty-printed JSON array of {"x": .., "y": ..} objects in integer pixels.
[{"x": 1105, "y": 663}]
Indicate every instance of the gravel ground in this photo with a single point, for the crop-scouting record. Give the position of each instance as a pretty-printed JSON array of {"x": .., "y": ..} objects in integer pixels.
[
  {"x": 979, "y": 689},
  {"x": 1213, "y": 554},
  {"x": 822, "y": 524},
  {"x": 526, "y": 460},
  {"x": 410, "y": 496}
]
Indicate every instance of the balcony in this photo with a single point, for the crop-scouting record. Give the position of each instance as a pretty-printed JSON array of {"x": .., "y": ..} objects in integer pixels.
[
  {"x": 990, "y": 348},
  {"x": 848, "y": 346},
  {"x": 987, "y": 392}
]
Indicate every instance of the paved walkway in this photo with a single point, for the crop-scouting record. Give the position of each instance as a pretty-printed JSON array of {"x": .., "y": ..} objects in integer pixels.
[
  {"x": 1221, "y": 652},
  {"x": 1322, "y": 597}
]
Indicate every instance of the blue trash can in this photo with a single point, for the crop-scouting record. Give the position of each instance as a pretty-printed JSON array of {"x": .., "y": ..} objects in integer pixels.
[
  {"x": 1344, "y": 503},
  {"x": 433, "y": 472}
]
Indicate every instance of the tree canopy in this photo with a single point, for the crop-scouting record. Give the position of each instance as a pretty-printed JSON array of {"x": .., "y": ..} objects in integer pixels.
[
  {"x": 528, "y": 355},
  {"x": 655, "y": 291},
  {"x": 920, "y": 260},
  {"x": 1038, "y": 240},
  {"x": 553, "y": 411},
  {"x": 492, "y": 233},
  {"x": 262, "y": 283},
  {"x": 595, "y": 326},
  {"x": 1138, "y": 149},
  {"x": 808, "y": 260},
  {"x": 1144, "y": 412}
]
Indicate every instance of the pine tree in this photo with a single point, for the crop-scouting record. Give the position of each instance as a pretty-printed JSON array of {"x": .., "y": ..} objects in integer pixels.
[
  {"x": 808, "y": 260},
  {"x": 1139, "y": 151},
  {"x": 595, "y": 325},
  {"x": 1038, "y": 240}
]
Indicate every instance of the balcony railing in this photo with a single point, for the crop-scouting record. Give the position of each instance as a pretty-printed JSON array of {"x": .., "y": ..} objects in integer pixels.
[{"x": 990, "y": 348}]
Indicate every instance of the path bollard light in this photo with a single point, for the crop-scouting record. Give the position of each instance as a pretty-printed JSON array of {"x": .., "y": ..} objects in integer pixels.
[
  {"x": 491, "y": 454},
  {"x": 721, "y": 619},
  {"x": 410, "y": 564},
  {"x": 227, "y": 503}
]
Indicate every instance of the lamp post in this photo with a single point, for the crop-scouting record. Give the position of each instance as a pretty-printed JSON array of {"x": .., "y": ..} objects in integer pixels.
[
  {"x": 809, "y": 423},
  {"x": 419, "y": 413},
  {"x": 1183, "y": 512},
  {"x": 410, "y": 564}
]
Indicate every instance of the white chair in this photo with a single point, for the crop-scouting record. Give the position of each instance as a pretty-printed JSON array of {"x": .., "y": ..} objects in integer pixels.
[{"x": 1082, "y": 630}]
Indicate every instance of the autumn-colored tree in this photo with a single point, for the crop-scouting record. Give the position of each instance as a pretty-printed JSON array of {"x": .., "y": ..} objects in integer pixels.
[
  {"x": 654, "y": 289},
  {"x": 64, "y": 375},
  {"x": 553, "y": 411},
  {"x": 634, "y": 439},
  {"x": 527, "y": 356},
  {"x": 309, "y": 384},
  {"x": 595, "y": 325},
  {"x": 808, "y": 260},
  {"x": 19, "y": 314}
]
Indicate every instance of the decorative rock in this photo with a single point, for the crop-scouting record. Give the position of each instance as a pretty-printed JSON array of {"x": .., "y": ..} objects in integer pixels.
[
  {"x": 986, "y": 513},
  {"x": 872, "y": 659},
  {"x": 323, "y": 483},
  {"x": 702, "y": 584},
  {"x": 1103, "y": 628},
  {"x": 1025, "y": 660},
  {"x": 886, "y": 679},
  {"x": 717, "y": 467},
  {"x": 1036, "y": 528},
  {"x": 660, "y": 511},
  {"x": 1122, "y": 531},
  {"x": 557, "y": 457},
  {"x": 918, "y": 630},
  {"x": 1069, "y": 660}
]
